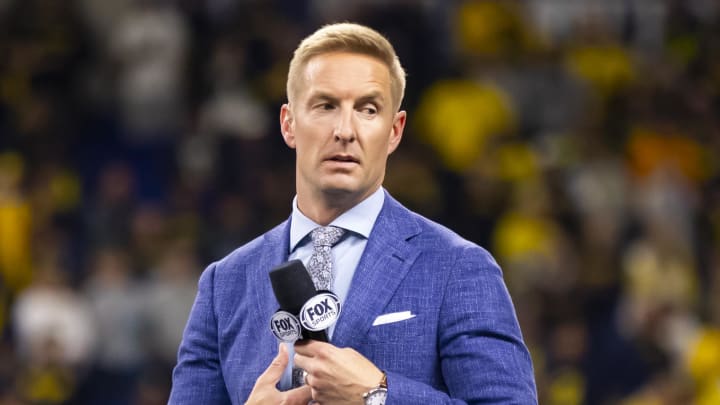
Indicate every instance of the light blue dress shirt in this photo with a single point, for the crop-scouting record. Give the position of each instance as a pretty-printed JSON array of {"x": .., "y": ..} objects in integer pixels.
[{"x": 357, "y": 223}]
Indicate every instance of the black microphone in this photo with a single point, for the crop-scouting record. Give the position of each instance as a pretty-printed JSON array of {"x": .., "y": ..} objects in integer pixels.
[{"x": 293, "y": 287}]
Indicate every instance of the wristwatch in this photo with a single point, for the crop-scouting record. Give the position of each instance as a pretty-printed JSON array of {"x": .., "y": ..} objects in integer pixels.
[{"x": 377, "y": 395}]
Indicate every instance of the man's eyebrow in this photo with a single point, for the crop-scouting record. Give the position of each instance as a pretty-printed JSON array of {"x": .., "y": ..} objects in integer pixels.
[
  {"x": 372, "y": 96},
  {"x": 322, "y": 96}
]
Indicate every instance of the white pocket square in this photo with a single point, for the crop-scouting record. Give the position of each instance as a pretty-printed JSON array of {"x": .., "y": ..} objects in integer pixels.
[{"x": 393, "y": 317}]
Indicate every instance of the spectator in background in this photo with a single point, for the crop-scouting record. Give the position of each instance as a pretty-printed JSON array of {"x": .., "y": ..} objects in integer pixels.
[
  {"x": 169, "y": 293},
  {"x": 15, "y": 225},
  {"x": 56, "y": 334},
  {"x": 150, "y": 45},
  {"x": 108, "y": 214},
  {"x": 117, "y": 308}
]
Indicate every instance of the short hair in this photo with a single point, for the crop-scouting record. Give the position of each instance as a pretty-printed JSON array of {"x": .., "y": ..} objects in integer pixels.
[{"x": 352, "y": 38}]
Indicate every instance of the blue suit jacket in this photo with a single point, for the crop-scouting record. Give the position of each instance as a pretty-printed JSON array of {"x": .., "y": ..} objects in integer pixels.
[{"x": 463, "y": 346}]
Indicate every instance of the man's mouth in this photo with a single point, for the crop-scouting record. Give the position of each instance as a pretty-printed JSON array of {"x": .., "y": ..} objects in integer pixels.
[{"x": 343, "y": 158}]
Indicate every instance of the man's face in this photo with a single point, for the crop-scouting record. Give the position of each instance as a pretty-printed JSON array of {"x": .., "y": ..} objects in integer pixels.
[{"x": 342, "y": 125}]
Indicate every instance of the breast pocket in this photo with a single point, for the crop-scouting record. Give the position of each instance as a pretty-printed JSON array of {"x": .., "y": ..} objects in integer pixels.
[{"x": 399, "y": 331}]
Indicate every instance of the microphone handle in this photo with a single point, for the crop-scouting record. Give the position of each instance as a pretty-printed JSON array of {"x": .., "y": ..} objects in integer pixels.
[{"x": 319, "y": 335}]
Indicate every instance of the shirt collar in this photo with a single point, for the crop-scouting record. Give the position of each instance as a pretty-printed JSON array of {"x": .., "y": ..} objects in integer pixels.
[{"x": 359, "y": 219}]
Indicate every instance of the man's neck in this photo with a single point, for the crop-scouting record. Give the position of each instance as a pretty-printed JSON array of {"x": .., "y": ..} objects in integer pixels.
[{"x": 326, "y": 207}]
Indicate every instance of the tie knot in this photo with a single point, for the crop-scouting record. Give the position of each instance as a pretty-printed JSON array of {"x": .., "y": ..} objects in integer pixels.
[{"x": 326, "y": 235}]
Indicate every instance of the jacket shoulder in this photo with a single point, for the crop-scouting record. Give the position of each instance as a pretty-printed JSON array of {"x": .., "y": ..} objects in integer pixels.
[
  {"x": 435, "y": 239},
  {"x": 250, "y": 252}
]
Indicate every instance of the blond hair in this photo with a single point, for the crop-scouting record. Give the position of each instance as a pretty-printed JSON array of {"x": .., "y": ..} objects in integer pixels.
[{"x": 352, "y": 38}]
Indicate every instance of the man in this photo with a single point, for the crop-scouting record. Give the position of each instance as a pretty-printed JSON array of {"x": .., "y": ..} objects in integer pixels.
[{"x": 425, "y": 313}]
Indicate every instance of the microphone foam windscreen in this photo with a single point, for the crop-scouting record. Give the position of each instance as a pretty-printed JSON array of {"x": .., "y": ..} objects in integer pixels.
[{"x": 292, "y": 285}]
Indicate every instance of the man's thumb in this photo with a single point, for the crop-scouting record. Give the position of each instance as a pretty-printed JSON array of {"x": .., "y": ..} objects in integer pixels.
[{"x": 276, "y": 368}]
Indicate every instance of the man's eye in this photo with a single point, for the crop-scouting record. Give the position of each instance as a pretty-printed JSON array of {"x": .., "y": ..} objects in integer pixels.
[
  {"x": 327, "y": 106},
  {"x": 369, "y": 110}
]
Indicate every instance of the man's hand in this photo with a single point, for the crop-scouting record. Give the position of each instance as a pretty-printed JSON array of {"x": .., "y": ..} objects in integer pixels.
[
  {"x": 265, "y": 393},
  {"x": 336, "y": 376}
]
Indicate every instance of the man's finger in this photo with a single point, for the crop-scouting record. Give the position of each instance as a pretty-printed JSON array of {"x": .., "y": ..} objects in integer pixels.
[
  {"x": 276, "y": 368},
  {"x": 307, "y": 347},
  {"x": 300, "y": 395}
]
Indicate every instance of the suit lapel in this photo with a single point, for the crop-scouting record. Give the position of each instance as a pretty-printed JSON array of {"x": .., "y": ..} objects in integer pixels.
[
  {"x": 273, "y": 252},
  {"x": 384, "y": 264}
]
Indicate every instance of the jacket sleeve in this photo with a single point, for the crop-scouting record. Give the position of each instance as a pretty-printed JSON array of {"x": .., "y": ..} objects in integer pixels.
[
  {"x": 197, "y": 377},
  {"x": 482, "y": 354}
]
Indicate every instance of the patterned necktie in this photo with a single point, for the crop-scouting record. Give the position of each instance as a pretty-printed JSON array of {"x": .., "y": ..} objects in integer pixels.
[
  {"x": 320, "y": 265},
  {"x": 320, "y": 269}
]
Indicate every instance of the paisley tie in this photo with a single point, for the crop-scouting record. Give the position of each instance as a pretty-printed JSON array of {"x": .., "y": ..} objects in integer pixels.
[
  {"x": 320, "y": 264},
  {"x": 320, "y": 267}
]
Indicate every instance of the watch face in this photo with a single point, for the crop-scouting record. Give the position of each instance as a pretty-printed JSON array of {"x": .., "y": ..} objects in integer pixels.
[{"x": 376, "y": 397}]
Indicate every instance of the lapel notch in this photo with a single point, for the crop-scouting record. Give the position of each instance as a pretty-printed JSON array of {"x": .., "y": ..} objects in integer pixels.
[{"x": 386, "y": 261}]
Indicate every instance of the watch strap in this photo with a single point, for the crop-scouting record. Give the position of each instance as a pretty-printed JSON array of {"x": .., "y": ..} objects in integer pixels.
[
  {"x": 380, "y": 389},
  {"x": 383, "y": 381}
]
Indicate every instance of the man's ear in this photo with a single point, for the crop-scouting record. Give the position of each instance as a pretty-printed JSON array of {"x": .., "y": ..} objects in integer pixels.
[
  {"x": 396, "y": 131},
  {"x": 287, "y": 125}
]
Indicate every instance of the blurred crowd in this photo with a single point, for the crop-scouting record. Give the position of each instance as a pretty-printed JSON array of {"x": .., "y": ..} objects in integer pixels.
[{"x": 578, "y": 141}]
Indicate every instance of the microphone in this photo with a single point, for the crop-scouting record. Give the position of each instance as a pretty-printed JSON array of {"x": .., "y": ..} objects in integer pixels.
[{"x": 298, "y": 298}]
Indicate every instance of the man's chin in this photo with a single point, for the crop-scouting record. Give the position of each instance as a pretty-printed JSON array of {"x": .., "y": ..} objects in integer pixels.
[
  {"x": 342, "y": 191},
  {"x": 339, "y": 183},
  {"x": 339, "y": 191},
  {"x": 346, "y": 194}
]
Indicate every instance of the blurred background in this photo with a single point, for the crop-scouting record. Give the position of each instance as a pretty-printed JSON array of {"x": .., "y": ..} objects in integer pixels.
[{"x": 576, "y": 140}]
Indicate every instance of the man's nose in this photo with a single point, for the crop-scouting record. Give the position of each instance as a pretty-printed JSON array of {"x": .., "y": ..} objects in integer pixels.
[{"x": 345, "y": 129}]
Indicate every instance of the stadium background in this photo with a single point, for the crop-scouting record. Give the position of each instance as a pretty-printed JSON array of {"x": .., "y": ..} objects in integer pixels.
[{"x": 577, "y": 140}]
